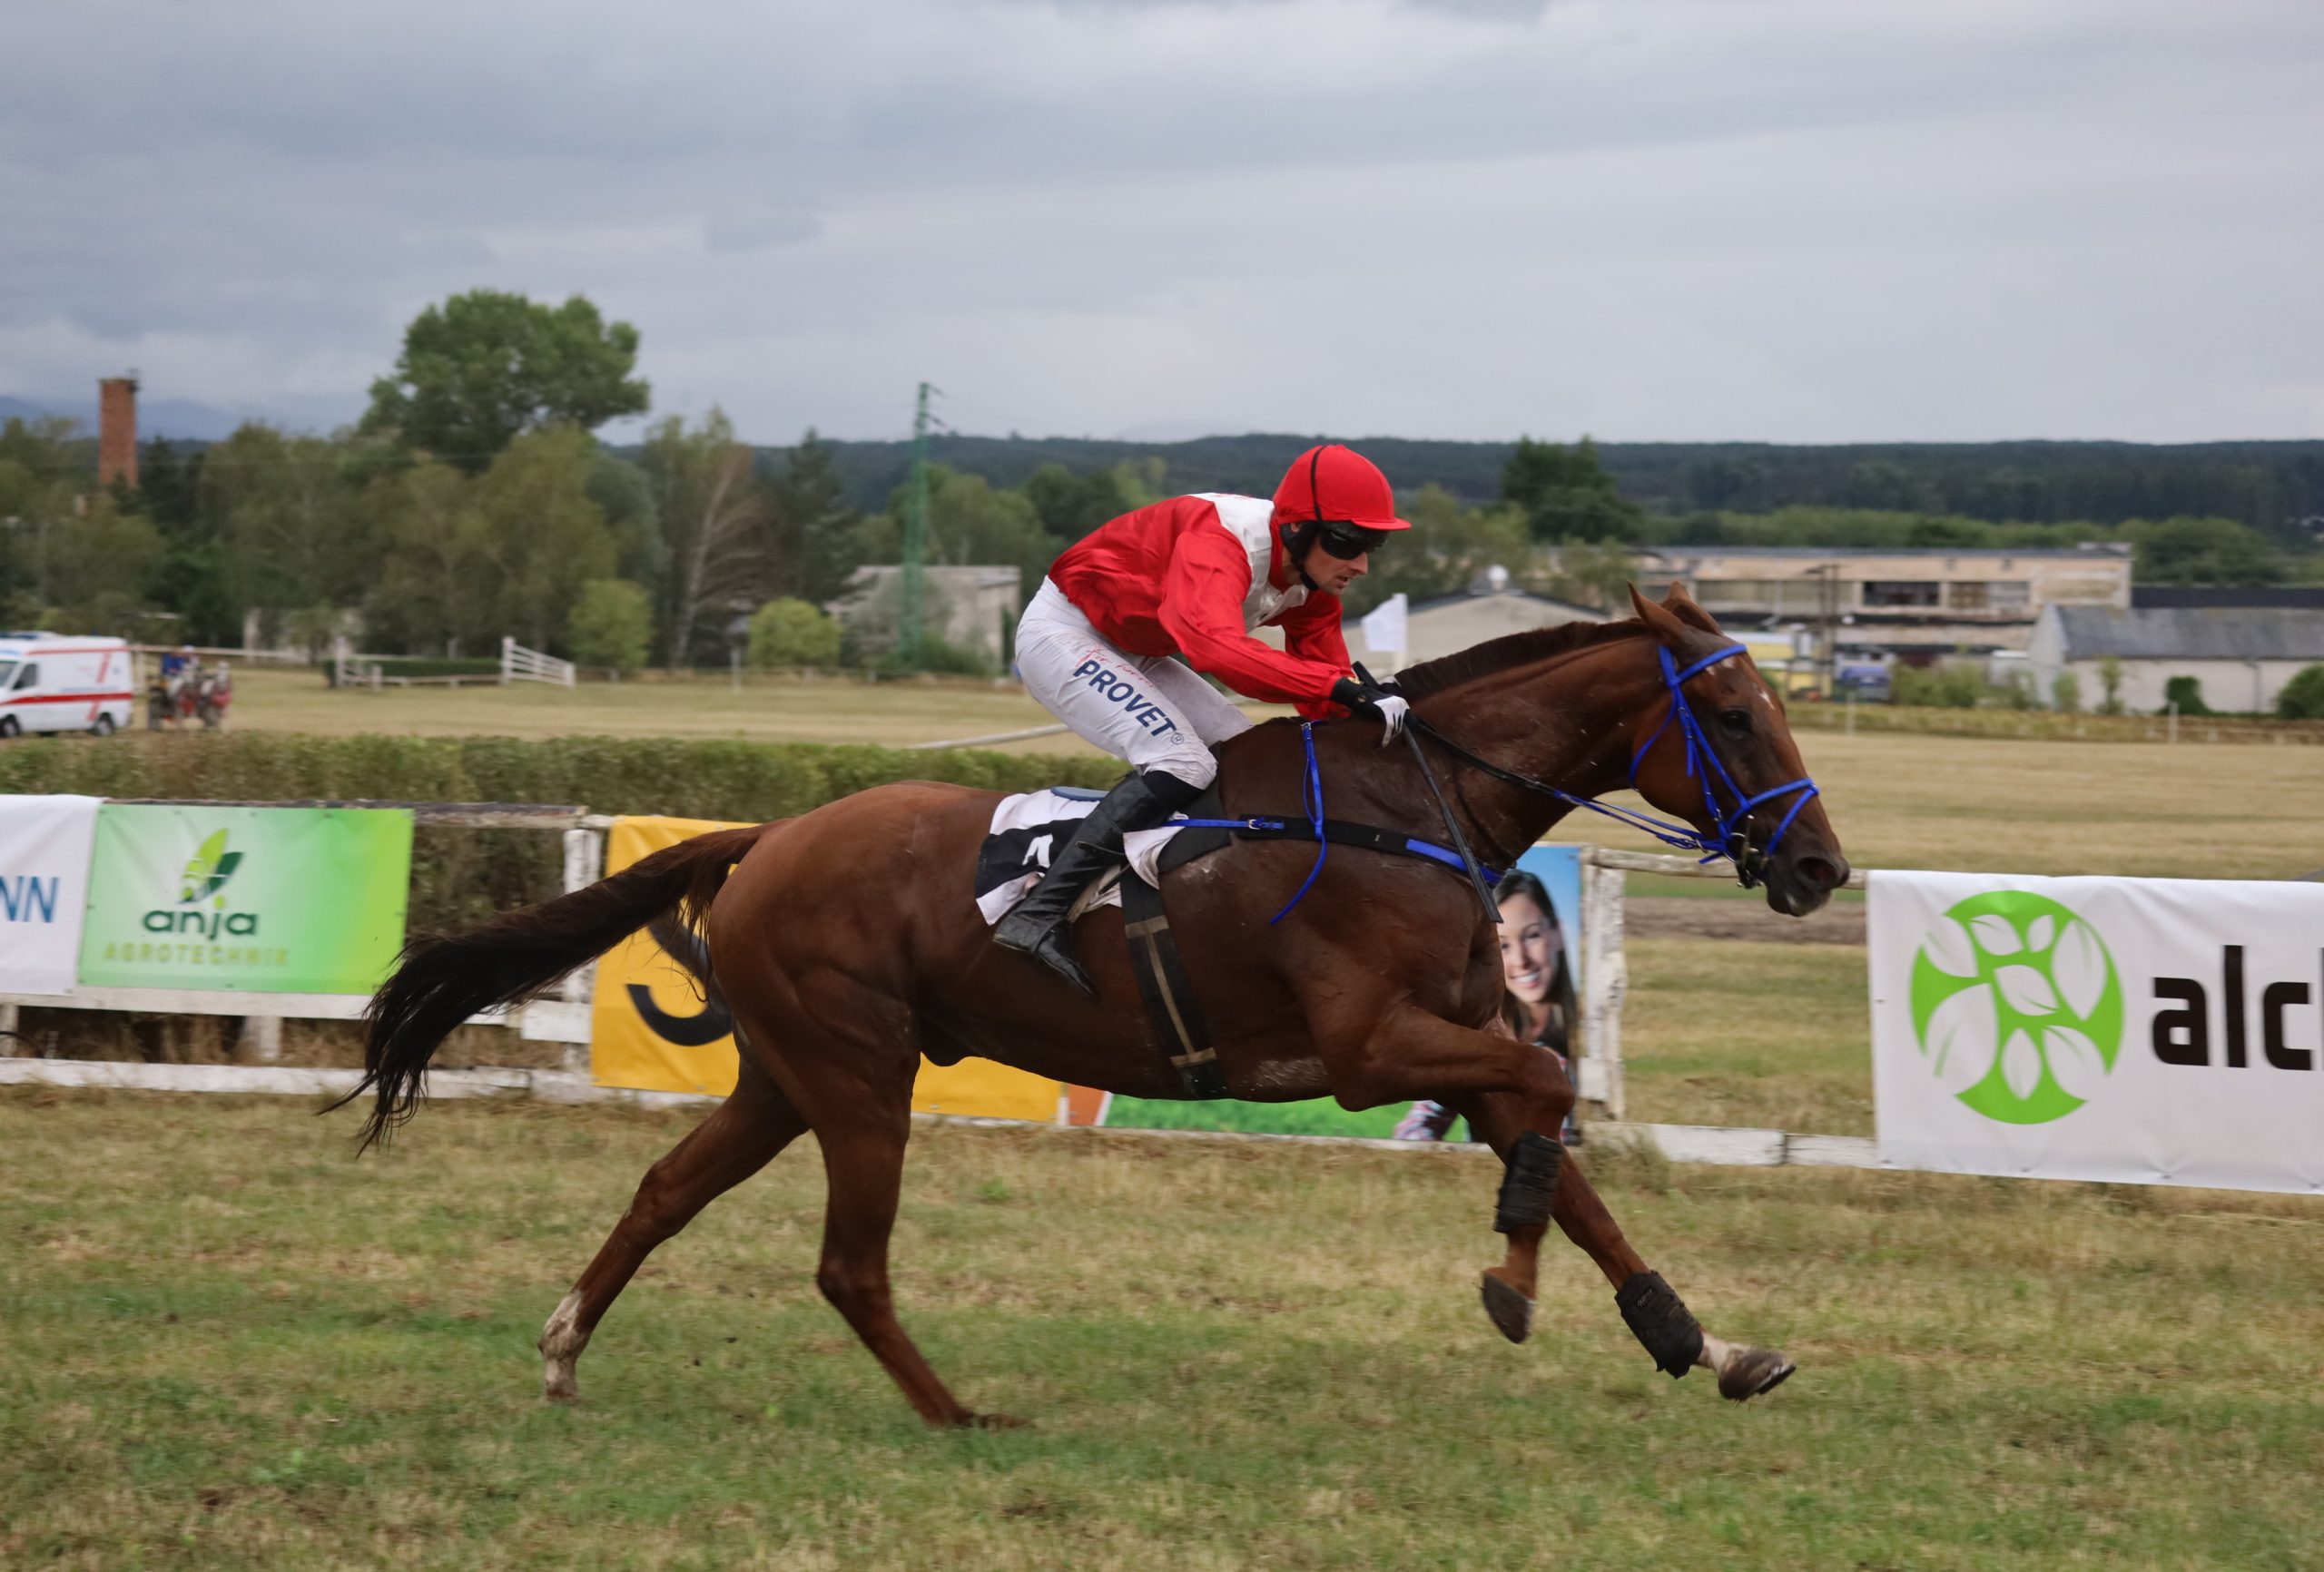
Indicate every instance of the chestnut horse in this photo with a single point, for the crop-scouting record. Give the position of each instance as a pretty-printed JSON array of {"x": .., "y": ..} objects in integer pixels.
[{"x": 847, "y": 945}]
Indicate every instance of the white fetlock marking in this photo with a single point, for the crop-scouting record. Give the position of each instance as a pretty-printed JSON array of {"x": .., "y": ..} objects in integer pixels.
[
  {"x": 1715, "y": 1355},
  {"x": 562, "y": 1341}
]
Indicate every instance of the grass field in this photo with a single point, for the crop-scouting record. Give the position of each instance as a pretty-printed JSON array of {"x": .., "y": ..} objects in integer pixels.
[
  {"x": 767, "y": 708},
  {"x": 1898, "y": 801},
  {"x": 229, "y": 1345}
]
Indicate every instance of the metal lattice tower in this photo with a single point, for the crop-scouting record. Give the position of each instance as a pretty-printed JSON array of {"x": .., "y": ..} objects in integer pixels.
[{"x": 912, "y": 593}]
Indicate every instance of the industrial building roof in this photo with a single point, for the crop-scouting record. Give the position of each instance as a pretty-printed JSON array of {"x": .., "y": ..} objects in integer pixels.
[
  {"x": 2192, "y": 633},
  {"x": 2274, "y": 595},
  {"x": 2100, "y": 550}
]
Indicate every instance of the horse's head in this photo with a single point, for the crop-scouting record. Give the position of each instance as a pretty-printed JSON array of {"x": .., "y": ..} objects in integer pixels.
[{"x": 1742, "y": 725}]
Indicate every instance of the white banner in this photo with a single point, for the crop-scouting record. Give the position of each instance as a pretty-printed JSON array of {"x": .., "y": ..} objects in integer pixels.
[
  {"x": 44, "y": 890},
  {"x": 2155, "y": 1031}
]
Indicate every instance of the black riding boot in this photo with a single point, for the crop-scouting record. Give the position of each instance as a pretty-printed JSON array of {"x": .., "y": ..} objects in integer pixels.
[{"x": 1037, "y": 924}]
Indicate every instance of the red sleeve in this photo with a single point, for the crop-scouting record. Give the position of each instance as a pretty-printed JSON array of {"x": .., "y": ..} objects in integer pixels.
[
  {"x": 1311, "y": 632},
  {"x": 1202, "y": 610}
]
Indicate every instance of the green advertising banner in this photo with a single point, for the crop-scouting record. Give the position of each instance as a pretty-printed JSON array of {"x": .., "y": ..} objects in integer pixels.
[{"x": 270, "y": 899}]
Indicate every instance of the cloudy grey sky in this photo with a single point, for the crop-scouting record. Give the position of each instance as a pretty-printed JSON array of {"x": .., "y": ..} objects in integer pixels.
[{"x": 1784, "y": 219}]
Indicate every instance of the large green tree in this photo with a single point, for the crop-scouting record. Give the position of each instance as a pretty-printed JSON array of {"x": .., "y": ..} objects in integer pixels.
[
  {"x": 706, "y": 494},
  {"x": 433, "y": 587},
  {"x": 283, "y": 506},
  {"x": 1447, "y": 546},
  {"x": 484, "y": 368},
  {"x": 810, "y": 525},
  {"x": 2201, "y": 551},
  {"x": 1566, "y": 494},
  {"x": 542, "y": 539},
  {"x": 1071, "y": 504}
]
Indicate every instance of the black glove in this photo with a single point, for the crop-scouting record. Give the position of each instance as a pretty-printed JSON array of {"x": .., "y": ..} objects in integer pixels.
[{"x": 1371, "y": 699}]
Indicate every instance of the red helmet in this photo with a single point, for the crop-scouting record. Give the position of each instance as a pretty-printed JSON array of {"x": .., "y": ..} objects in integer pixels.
[{"x": 1335, "y": 485}]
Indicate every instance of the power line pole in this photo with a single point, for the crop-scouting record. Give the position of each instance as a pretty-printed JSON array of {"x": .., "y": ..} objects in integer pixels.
[{"x": 914, "y": 589}]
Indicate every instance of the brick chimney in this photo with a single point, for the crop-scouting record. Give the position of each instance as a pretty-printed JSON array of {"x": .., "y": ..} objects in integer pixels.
[{"x": 117, "y": 429}]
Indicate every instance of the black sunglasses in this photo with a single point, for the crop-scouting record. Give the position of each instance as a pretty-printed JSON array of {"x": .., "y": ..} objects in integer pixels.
[{"x": 1348, "y": 541}]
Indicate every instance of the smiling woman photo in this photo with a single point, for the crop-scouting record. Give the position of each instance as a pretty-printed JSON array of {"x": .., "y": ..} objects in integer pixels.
[{"x": 1539, "y": 1006}]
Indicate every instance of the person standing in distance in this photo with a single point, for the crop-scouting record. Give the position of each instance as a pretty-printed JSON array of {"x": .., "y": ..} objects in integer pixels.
[{"x": 1189, "y": 577}]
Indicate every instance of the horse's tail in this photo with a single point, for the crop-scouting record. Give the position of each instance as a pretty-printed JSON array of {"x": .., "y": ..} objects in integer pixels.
[{"x": 440, "y": 982}]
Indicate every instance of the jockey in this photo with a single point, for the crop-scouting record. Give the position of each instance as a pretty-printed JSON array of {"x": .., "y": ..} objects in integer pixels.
[{"x": 1190, "y": 578}]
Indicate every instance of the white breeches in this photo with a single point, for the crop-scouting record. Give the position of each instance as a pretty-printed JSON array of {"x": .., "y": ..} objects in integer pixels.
[{"x": 1150, "y": 710}]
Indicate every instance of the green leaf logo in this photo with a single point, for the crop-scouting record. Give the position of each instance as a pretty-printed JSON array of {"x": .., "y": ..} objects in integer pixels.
[
  {"x": 2017, "y": 1007},
  {"x": 207, "y": 872}
]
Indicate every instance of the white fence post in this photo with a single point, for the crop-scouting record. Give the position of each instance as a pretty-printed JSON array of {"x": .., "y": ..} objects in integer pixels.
[
  {"x": 518, "y": 663},
  {"x": 1605, "y": 978},
  {"x": 263, "y": 1035},
  {"x": 584, "y": 864}
]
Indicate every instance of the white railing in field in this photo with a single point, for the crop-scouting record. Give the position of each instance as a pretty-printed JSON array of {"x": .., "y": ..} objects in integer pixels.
[{"x": 519, "y": 665}]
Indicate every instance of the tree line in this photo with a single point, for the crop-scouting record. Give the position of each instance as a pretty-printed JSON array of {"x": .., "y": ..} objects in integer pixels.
[{"x": 473, "y": 500}]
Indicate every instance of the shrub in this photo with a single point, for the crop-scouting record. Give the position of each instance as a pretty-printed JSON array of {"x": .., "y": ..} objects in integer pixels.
[
  {"x": 1944, "y": 687},
  {"x": 2187, "y": 693},
  {"x": 460, "y": 877},
  {"x": 2065, "y": 692},
  {"x": 790, "y": 632},
  {"x": 2109, "y": 680},
  {"x": 612, "y": 624},
  {"x": 2302, "y": 698}
]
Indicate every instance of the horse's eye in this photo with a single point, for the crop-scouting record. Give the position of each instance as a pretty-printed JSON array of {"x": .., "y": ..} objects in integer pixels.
[{"x": 1735, "y": 723}]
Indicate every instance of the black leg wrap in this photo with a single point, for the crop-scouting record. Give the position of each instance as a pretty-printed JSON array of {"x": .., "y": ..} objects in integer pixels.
[
  {"x": 1526, "y": 1187},
  {"x": 1660, "y": 1320}
]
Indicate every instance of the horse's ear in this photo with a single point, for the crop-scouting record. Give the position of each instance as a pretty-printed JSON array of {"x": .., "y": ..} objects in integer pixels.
[
  {"x": 1681, "y": 605},
  {"x": 1659, "y": 619}
]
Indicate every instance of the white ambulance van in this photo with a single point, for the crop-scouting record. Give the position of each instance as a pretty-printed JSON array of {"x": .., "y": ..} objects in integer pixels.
[{"x": 53, "y": 682}]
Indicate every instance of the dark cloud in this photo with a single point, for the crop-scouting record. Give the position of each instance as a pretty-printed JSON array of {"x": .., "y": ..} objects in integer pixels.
[{"x": 1792, "y": 219}]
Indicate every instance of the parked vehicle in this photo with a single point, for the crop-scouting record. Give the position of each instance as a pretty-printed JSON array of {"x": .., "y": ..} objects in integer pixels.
[
  {"x": 1868, "y": 684},
  {"x": 51, "y": 683}
]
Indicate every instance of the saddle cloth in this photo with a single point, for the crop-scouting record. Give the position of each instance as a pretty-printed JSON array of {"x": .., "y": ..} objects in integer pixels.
[{"x": 1028, "y": 827}]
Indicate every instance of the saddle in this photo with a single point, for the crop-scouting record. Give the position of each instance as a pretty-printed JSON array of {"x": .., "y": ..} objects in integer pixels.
[{"x": 1026, "y": 828}]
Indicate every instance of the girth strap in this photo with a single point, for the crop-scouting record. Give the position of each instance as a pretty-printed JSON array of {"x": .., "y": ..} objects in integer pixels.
[
  {"x": 1170, "y": 1003},
  {"x": 1339, "y": 832}
]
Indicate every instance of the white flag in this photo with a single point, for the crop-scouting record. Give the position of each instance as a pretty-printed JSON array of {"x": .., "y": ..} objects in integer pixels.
[{"x": 1383, "y": 626}]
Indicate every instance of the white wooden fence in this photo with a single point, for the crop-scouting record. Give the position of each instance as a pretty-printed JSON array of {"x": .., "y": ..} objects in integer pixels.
[
  {"x": 519, "y": 665},
  {"x": 566, "y": 1017}
]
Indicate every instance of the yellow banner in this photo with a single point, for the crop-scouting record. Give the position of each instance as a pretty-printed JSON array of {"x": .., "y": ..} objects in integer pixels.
[{"x": 651, "y": 1031}]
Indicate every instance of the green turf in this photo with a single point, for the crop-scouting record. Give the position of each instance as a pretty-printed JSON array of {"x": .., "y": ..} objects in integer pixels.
[
  {"x": 1728, "y": 1031},
  {"x": 229, "y": 1346}
]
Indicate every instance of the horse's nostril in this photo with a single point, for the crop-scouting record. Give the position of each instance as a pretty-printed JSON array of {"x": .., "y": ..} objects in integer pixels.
[{"x": 1820, "y": 874}]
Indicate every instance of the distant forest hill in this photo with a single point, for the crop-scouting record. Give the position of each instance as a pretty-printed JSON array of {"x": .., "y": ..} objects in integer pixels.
[{"x": 2273, "y": 487}]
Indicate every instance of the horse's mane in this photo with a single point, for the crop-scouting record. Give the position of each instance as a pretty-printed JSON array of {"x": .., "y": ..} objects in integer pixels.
[{"x": 1510, "y": 650}]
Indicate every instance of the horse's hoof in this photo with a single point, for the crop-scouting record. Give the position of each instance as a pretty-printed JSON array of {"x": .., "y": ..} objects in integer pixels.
[
  {"x": 559, "y": 1386},
  {"x": 1511, "y": 1313},
  {"x": 1753, "y": 1370}
]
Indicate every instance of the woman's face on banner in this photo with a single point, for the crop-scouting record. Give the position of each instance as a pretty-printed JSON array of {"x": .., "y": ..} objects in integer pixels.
[{"x": 1529, "y": 947}]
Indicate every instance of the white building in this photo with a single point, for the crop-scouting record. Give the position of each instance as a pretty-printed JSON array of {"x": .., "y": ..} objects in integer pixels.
[
  {"x": 2242, "y": 655},
  {"x": 972, "y": 608},
  {"x": 1491, "y": 607},
  {"x": 1918, "y": 603}
]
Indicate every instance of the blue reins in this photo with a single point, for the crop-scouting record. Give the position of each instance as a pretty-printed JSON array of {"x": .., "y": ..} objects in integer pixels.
[
  {"x": 1726, "y": 822},
  {"x": 1729, "y": 837}
]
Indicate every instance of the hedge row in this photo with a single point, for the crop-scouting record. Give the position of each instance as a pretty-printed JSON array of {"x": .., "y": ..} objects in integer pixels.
[
  {"x": 698, "y": 779},
  {"x": 459, "y": 877}
]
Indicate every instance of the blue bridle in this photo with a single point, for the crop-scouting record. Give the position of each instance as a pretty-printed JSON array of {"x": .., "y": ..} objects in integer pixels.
[{"x": 1728, "y": 838}]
